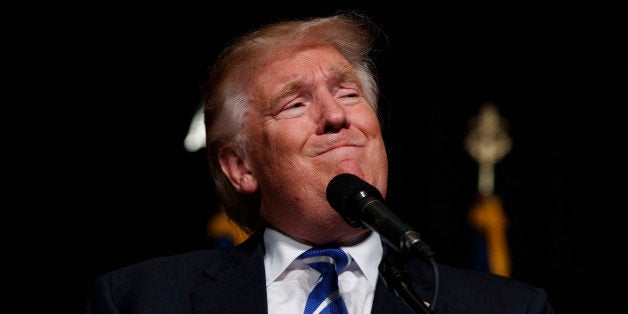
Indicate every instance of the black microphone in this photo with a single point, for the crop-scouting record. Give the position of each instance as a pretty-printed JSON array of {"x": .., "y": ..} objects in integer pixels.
[{"x": 362, "y": 205}]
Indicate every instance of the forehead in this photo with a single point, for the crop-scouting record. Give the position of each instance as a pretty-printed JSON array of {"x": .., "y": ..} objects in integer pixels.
[{"x": 298, "y": 65}]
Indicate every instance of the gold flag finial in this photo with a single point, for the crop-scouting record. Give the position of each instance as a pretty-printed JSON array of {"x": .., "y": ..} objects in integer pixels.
[{"x": 487, "y": 142}]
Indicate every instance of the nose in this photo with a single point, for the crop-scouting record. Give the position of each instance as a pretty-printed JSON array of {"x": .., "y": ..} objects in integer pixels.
[{"x": 333, "y": 115}]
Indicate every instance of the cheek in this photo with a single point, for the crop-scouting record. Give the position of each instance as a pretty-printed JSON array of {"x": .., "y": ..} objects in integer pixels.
[
  {"x": 282, "y": 139},
  {"x": 293, "y": 130},
  {"x": 367, "y": 121}
]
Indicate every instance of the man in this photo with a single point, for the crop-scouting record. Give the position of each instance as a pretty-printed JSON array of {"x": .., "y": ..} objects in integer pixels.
[{"x": 288, "y": 107}]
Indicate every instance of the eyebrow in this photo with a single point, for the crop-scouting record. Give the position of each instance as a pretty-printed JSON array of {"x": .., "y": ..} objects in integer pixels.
[
  {"x": 288, "y": 89},
  {"x": 345, "y": 73}
]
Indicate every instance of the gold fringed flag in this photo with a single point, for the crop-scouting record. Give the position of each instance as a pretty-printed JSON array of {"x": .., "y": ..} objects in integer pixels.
[
  {"x": 223, "y": 232},
  {"x": 488, "y": 218},
  {"x": 488, "y": 142}
]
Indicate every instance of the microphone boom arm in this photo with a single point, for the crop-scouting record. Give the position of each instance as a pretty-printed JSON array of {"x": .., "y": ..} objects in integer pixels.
[{"x": 410, "y": 240}]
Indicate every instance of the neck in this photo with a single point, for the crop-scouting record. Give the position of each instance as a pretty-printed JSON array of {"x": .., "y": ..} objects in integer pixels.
[{"x": 348, "y": 242}]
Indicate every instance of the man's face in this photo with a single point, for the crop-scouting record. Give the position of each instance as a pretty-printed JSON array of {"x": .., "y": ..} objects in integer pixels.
[{"x": 309, "y": 122}]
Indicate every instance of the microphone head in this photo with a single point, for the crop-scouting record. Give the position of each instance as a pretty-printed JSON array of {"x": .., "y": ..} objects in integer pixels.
[{"x": 344, "y": 192}]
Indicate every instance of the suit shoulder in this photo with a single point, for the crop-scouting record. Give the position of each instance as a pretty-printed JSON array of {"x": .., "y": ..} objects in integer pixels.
[
  {"x": 160, "y": 283},
  {"x": 484, "y": 281},
  {"x": 475, "y": 291},
  {"x": 507, "y": 293},
  {"x": 176, "y": 265}
]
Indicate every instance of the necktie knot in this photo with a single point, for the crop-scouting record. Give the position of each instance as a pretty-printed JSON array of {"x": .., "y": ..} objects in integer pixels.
[
  {"x": 325, "y": 258},
  {"x": 325, "y": 297}
]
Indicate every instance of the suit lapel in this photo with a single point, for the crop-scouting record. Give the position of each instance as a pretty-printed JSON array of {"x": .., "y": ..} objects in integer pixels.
[
  {"x": 419, "y": 273},
  {"x": 387, "y": 301},
  {"x": 235, "y": 281}
]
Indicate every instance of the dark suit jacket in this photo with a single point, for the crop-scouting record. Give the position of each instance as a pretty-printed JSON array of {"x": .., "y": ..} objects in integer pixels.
[{"x": 233, "y": 281}]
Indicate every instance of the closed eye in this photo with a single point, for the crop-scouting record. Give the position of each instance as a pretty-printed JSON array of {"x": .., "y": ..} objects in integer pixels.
[
  {"x": 348, "y": 96},
  {"x": 291, "y": 110},
  {"x": 294, "y": 105}
]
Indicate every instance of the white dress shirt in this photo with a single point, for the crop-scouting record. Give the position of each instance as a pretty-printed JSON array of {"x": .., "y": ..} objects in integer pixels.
[{"x": 289, "y": 281}]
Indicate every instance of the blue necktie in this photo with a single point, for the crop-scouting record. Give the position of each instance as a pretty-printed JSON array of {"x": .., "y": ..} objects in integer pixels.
[{"x": 325, "y": 297}]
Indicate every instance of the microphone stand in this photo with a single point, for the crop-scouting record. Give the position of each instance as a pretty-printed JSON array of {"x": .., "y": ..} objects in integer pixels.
[{"x": 397, "y": 277}]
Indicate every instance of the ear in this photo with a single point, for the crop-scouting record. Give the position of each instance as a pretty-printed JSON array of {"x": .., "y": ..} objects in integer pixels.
[{"x": 237, "y": 170}]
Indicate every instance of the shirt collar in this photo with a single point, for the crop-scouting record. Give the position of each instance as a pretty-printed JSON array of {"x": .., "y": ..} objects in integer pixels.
[{"x": 281, "y": 251}]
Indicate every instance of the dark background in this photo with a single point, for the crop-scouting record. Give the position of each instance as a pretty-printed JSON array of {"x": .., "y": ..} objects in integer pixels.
[{"x": 108, "y": 182}]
